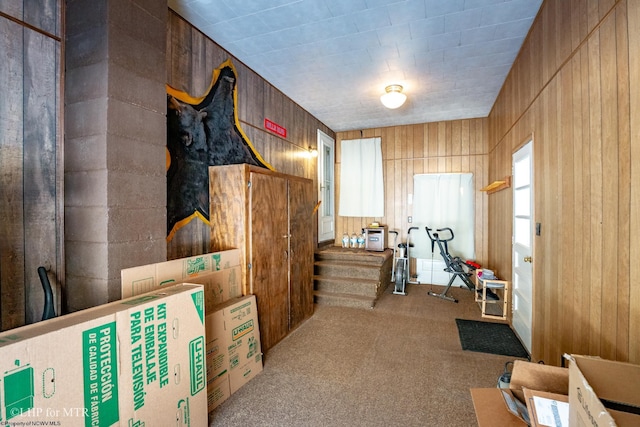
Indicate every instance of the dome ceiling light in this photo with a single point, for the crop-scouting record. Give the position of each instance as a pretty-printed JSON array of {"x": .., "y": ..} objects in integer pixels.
[{"x": 393, "y": 98}]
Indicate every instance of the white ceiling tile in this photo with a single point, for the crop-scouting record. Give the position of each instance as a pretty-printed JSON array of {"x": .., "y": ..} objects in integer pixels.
[
  {"x": 248, "y": 7},
  {"x": 331, "y": 28},
  {"x": 372, "y": 4},
  {"x": 391, "y": 35},
  {"x": 295, "y": 14},
  {"x": 427, "y": 27},
  {"x": 440, "y": 7},
  {"x": 382, "y": 53},
  {"x": 460, "y": 21},
  {"x": 402, "y": 13},
  {"x": 478, "y": 35},
  {"x": 444, "y": 41},
  {"x": 473, "y": 4},
  {"x": 342, "y": 7},
  {"x": 372, "y": 19}
]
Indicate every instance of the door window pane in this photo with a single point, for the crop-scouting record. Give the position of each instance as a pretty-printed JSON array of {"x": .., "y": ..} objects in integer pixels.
[
  {"x": 522, "y": 201},
  {"x": 522, "y": 232}
]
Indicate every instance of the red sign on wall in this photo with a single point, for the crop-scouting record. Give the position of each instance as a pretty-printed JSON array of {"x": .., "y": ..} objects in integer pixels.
[{"x": 275, "y": 128}]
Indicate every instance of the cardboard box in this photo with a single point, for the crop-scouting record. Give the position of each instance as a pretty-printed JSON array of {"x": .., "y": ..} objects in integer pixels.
[
  {"x": 146, "y": 278},
  {"x": 241, "y": 336},
  {"x": 233, "y": 347},
  {"x": 132, "y": 362},
  {"x": 512, "y": 401},
  {"x": 217, "y": 356},
  {"x": 218, "y": 391},
  {"x": 491, "y": 410},
  {"x": 220, "y": 286},
  {"x": 536, "y": 376},
  {"x": 603, "y": 392}
]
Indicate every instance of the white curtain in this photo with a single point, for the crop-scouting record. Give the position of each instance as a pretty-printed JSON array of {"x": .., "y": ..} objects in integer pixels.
[
  {"x": 361, "y": 181},
  {"x": 443, "y": 200}
]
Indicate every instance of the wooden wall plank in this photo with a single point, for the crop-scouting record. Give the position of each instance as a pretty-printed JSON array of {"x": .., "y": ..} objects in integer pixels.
[
  {"x": 595, "y": 185},
  {"x": 40, "y": 103},
  {"x": 610, "y": 237},
  {"x": 633, "y": 13},
  {"x": 580, "y": 216},
  {"x": 624, "y": 192},
  {"x": 12, "y": 227},
  {"x": 568, "y": 234}
]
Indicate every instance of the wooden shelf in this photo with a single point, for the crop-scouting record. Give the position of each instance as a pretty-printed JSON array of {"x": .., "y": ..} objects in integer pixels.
[
  {"x": 497, "y": 185},
  {"x": 492, "y": 309}
]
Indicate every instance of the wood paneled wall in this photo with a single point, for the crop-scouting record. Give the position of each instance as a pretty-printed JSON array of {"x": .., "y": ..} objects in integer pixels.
[
  {"x": 31, "y": 196},
  {"x": 191, "y": 59},
  {"x": 458, "y": 146},
  {"x": 575, "y": 88}
]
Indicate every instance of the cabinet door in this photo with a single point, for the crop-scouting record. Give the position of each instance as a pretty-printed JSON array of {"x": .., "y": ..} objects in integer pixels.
[
  {"x": 269, "y": 255},
  {"x": 301, "y": 203}
]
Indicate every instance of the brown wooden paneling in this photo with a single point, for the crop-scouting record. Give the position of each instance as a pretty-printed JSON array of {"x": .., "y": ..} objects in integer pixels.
[
  {"x": 12, "y": 277},
  {"x": 578, "y": 105},
  {"x": 454, "y": 146},
  {"x": 30, "y": 159},
  {"x": 633, "y": 28},
  {"x": 191, "y": 60}
]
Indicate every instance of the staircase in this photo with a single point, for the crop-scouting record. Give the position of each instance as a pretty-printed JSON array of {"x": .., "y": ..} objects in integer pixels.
[{"x": 351, "y": 277}]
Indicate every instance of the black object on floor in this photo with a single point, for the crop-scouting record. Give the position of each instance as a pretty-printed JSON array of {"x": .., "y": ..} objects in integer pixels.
[{"x": 489, "y": 337}]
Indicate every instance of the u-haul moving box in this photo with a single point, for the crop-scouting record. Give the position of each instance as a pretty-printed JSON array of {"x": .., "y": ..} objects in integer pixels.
[
  {"x": 233, "y": 347},
  {"x": 242, "y": 337},
  {"x": 134, "y": 362},
  {"x": 146, "y": 278}
]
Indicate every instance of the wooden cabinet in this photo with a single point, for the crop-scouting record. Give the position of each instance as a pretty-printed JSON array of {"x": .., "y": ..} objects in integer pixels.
[{"x": 269, "y": 217}]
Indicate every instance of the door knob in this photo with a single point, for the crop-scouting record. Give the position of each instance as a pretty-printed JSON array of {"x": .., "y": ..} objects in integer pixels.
[{"x": 527, "y": 259}]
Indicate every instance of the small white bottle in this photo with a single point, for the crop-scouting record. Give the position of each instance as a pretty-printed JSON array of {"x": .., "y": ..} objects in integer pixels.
[
  {"x": 345, "y": 240},
  {"x": 354, "y": 240}
]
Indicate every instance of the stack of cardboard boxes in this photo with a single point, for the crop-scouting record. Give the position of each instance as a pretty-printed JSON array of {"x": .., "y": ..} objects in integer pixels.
[
  {"x": 590, "y": 392},
  {"x": 179, "y": 343},
  {"x": 233, "y": 352},
  {"x": 136, "y": 362}
]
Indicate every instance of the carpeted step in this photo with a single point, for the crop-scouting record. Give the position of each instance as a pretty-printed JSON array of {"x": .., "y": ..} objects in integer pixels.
[
  {"x": 360, "y": 256},
  {"x": 347, "y": 269},
  {"x": 346, "y": 285},
  {"x": 343, "y": 300},
  {"x": 351, "y": 277}
]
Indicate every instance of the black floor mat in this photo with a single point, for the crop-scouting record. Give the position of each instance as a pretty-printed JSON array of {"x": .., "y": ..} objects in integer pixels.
[{"x": 488, "y": 337}]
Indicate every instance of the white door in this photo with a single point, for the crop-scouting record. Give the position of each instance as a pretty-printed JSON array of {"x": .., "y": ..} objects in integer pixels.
[
  {"x": 523, "y": 243},
  {"x": 326, "y": 187}
]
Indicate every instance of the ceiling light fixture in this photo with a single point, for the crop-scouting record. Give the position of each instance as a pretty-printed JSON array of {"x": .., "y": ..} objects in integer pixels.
[{"x": 393, "y": 98}]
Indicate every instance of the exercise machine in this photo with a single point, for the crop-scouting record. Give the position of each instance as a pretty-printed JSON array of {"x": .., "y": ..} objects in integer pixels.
[
  {"x": 400, "y": 270},
  {"x": 454, "y": 265}
]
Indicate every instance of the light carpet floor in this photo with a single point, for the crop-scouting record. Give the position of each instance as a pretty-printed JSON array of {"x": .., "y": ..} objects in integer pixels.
[{"x": 398, "y": 364}]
